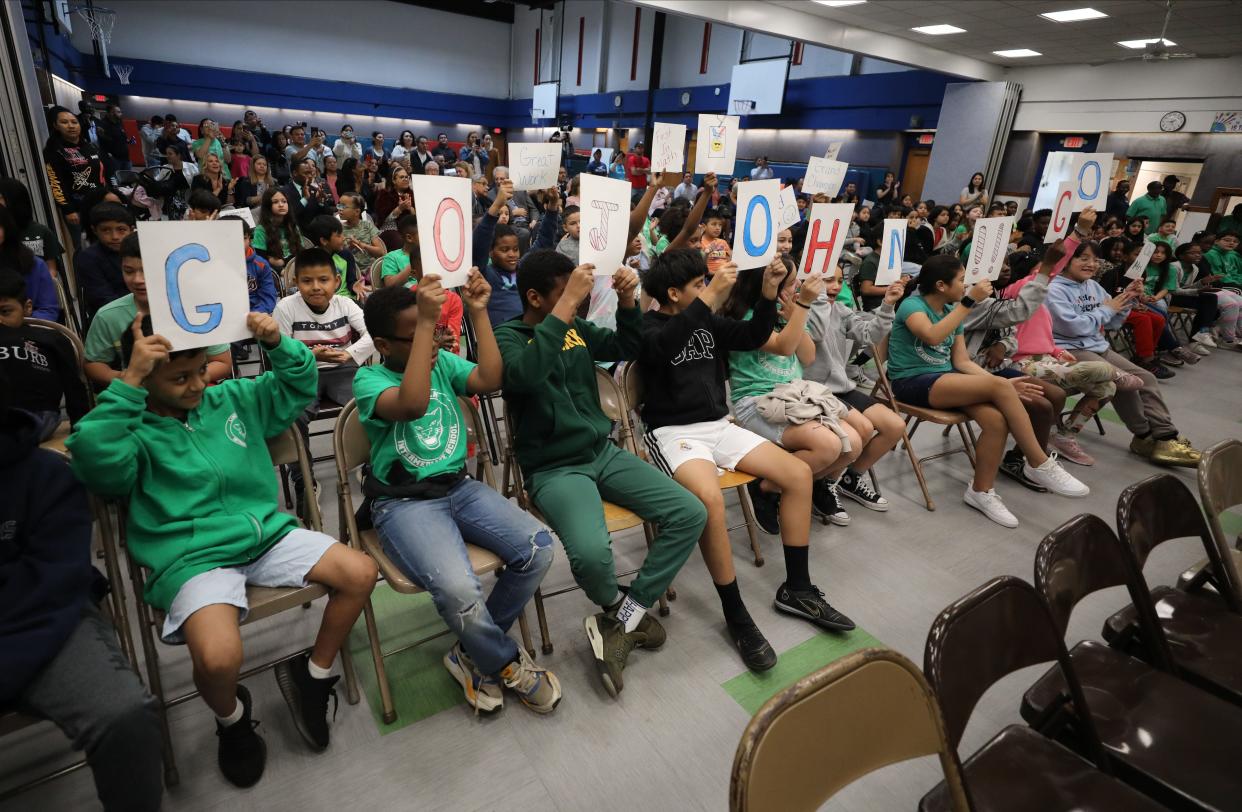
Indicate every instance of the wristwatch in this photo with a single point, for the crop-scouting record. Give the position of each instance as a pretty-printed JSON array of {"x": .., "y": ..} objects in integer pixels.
[{"x": 967, "y": 302}]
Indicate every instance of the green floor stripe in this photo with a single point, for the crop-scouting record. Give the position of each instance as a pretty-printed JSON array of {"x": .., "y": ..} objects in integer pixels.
[
  {"x": 1231, "y": 523},
  {"x": 420, "y": 685},
  {"x": 751, "y": 690}
]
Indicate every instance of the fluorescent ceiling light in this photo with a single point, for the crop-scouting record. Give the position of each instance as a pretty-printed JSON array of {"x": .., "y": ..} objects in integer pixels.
[
  {"x": 1015, "y": 53},
  {"x": 839, "y": 3},
  {"x": 1143, "y": 43},
  {"x": 1073, "y": 15},
  {"x": 936, "y": 30}
]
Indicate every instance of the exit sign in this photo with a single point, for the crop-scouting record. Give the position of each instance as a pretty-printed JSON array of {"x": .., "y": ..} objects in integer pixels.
[
  {"x": 927, "y": 138},
  {"x": 1073, "y": 142}
]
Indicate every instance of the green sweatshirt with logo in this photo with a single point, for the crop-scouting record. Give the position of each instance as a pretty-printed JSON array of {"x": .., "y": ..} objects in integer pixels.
[
  {"x": 550, "y": 387},
  {"x": 201, "y": 493}
]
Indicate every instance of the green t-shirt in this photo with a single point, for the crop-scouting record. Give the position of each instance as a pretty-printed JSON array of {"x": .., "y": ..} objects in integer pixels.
[
  {"x": 659, "y": 246},
  {"x": 846, "y": 297},
  {"x": 216, "y": 149},
  {"x": 365, "y": 232},
  {"x": 755, "y": 373},
  {"x": 907, "y": 356},
  {"x": 394, "y": 263},
  {"x": 433, "y": 444},
  {"x": 103, "y": 340},
  {"x": 1151, "y": 280}
]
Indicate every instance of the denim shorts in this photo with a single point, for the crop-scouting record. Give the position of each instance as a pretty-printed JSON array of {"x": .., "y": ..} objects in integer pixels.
[
  {"x": 746, "y": 411},
  {"x": 914, "y": 391}
]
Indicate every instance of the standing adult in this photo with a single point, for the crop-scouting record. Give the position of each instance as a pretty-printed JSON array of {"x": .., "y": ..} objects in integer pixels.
[
  {"x": 210, "y": 142},
  {"x": 404, "y": 148},
  {"x": 443, "y": 150},
  {"x": 420, "y": 157},
  {"x": 474, "y": 154},
  {"x": 637, "y": 170},
  {"x": 596, "y": 165},
  {"x": 886, "y": 192},
  {"x": 86, "y": 120},
  {"x": 1151, "y": 205},
  {"x": 277, "y": 160},
  {"x": 299, "y": 148},
  {"x": 174, "y": 135},
  {"x": 377, "y": 148},
  {"x": 113, "y": 142},
  {"x": 261, "y": 133},
  {"x": 761, "y": 171},
  {"x": 1173, "y": 198},
  {"x": 1118, "y": 200},
  {"x": 74, "y": 170},
  {"x": 493, "y": 157},
  {"x": 974, "y": 193},
  {"x": 148, "y": 134},
  {"x": 686, "y": 189},
  {"x": 346, "y": 146}
]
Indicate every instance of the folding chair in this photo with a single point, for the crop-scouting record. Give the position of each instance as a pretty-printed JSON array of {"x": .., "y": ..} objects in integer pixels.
[
  {"x": 1220, "y": 489},
  {"x": 632, "y": 391},
  {"x": 862, "y": 712},
  {"x": 57, "y": 441},
  {"x": 286, "y": 449},
  {"x": 1182, "y": 318},
  {"x": 916, "y": 416},
  {"x": 353, "y": 450}
]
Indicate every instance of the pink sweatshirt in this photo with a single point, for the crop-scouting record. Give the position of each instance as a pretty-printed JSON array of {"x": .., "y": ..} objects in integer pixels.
[{"x": 1035, "y": 334}]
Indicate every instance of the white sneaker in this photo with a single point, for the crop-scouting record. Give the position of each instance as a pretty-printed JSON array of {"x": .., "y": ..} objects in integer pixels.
[
  {"x": 1198, "y": 348},
  {"x": 1204, "y": 338},
  {"x": 990, "y": 505},
  {"x": 1055, "y": 478}
]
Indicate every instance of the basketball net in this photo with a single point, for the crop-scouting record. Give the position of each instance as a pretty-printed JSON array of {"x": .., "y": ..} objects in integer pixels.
[
  {"x": 100, "y": 20},
  {"x": 123, "y": 72},
  {"x": 742, "y": 107}
]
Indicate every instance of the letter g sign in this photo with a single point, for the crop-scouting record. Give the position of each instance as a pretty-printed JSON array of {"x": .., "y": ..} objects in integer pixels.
[{"x": 172, "y": 272}]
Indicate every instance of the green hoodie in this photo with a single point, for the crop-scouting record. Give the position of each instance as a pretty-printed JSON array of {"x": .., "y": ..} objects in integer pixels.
[
  {"x": 201, "y": 493},
  {"x": 1226, "y": 264},
  {"x": 550, "y": 386}
]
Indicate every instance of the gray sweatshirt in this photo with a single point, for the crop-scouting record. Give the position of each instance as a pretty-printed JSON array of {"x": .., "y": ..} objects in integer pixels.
[
  {"x": 837, "y": 331},
  {"x": 1002, "y": 315}
]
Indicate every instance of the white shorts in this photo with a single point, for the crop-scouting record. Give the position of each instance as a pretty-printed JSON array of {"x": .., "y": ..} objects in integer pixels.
[
  {"x": 717, "y": 441},
  {"x": 285, "y": 564}
]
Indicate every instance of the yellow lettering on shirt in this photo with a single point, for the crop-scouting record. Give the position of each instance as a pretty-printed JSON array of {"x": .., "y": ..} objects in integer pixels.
[{"x": 572, "y": 339}]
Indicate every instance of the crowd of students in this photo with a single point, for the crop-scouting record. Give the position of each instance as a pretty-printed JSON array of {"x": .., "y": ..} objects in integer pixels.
[{"x": 743, "y": 370}]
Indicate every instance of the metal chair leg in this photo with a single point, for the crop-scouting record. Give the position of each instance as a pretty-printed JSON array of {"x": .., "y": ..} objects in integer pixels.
[
  {"x": 527, "y": 643},
  {"x": 542, "y": 617},
  {"x": 351, "y": 676},
  {"x": 749, "y": 512},
  {"x": 917, "y": 465},
  {"x": 381, "y": 673}
]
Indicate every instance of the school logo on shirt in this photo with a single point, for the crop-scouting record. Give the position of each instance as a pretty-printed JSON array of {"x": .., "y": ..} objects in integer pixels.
[
  {"x": 572, "y": 339},
  {"x": 698, "y": 348},
  {"x": 235, "y": 430},
  {"x": 435, "y": 435},
  {"x": 935, "y": 355}
]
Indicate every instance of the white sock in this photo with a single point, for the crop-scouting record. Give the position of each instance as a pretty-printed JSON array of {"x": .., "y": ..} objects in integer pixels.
[
  {"x": 316, "y": 672},
  {"x": 234, "y": 717},
  {"x": 630, "y": 612}
]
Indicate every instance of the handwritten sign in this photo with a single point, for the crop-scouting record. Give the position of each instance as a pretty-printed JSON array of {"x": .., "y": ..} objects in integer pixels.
[
  {"x": 834, "y": 149},
  {"x": 196, "y": 281},
  {"x": 1062, "y": 207},
  {"x": 243, "y": 213},
  {"x": 444, "y": 226},
  {"x": 605, "y": 222},
  {"x": 534, "y": 166},
  {"x": 668, "y": 147},
  {"x": 716, "y": 145},
  {"x": 754, "y": 239},
  {"x": 788, "y": 204},
  {"x": 987, "y": 248},
  {"x": 1091, "y": 175},
  {"x": 892, "y": 252},
  {"x": 827, "y": 229},
  {"x": 823, "y": 175},
  {"x": 1136, "y": 270}
]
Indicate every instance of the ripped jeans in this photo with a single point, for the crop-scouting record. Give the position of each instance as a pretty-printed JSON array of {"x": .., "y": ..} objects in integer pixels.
[{"x": 427, "y": 538}]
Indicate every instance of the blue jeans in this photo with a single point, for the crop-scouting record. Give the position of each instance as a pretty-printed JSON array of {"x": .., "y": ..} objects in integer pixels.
[{"x": 427, "y": 539}]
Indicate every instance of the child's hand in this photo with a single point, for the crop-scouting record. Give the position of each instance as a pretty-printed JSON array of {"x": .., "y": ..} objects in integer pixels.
[
  {"x": 431, "y": 296},
  {"x": 1066, "y": 357},
  {"x": 1053, "y": 253},
  {"x": 994, "y": 356},
  {"x": 1026, "y": 388},
  {"x": 579, "y": 285},
  {"x": 625, "y": 283},
  {"x": 477, "y": 291},
  {"x": 1086, "y": 219},
  {"x": 504, "y": 191},
  {"x": 264, "y": 328},
  {"x": 981, "y": 290},
  {"x": 894, "y": 292},
  {"x": 149, "y": 352},
  {"x": 773, "y": 275},
  {"x": 717, "y": 293},
  {"x": 811, "y": 288},
  {"x": 552, "y": 200},
  {"x": 710, "y": 182}
]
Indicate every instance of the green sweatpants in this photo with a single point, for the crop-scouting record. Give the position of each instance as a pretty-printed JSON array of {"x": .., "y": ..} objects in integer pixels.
[{"x": 569, "y": 499}]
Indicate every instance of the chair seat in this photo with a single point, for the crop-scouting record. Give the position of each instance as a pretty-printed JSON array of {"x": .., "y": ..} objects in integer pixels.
[
  {"x": 481, "y": 561},
  {"x": 943, "y": 417},
  {"x": 618, "y": 518},
  {"x": 734, "y": 479},
  {"x": 1182, "y": 740},
  {"x": 1205, "y": 638},
  {"x": 266, "y": 601},
  {"x": 1020, "y": 770},
  {"x": 13, "y": 721},
  {"x": 1188, "y": 577}
]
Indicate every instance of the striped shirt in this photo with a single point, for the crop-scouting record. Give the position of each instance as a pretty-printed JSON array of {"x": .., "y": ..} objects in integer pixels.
[{"x": 340, "y": 326}]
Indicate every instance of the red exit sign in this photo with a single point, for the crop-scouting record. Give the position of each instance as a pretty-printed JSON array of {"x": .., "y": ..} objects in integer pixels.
[
  {"x": 927, "y": 138},
  {"x": 1073, "y": 142}
]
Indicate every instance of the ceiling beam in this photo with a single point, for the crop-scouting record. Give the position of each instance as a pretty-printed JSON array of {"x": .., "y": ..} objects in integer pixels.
[{"x": 781, "y": 21}]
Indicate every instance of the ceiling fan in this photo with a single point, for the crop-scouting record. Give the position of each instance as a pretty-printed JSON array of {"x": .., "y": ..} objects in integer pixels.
[{"x": 1156, "y": 50}]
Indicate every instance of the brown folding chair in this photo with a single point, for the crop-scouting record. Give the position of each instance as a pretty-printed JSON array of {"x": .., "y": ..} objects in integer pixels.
[
  {"x": 916, "y": 416},
  {"x": 1220, "y": 489},
  {"x": 862, "y": 712},
  {"x": 353, "y": 450},
  {"x": 1203, "y": 633},
  {"x": 1182, "y": 318},
  {"x": 286, "y": 449},
  {"x": 632, "y": 391},
  {"x": 1160, "y": 734},
  {"x": 57, "y": 440}
]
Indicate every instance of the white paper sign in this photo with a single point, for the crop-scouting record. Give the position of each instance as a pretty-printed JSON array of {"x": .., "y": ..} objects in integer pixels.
[
  {"x": 534, "y": 166},
  {"x": 892, "y": 252},
  {"x": 605, "y": 222},
  {"x": 833, "y": 150},
  {"x": 1136, "y": 270},
  {"x": 716, "y": 145},
  {"x": 823, "y": 175},
  {"x": 444, "y": 227},
  {"x": 1062, "y": 207},
  {"x": 826, "y": 231},
  {"x": 196, "y": 281},
  {"x": 245, "y": 214},
  {"x": 1091, "y": 175},
  {"x": 668, "y": 148},
  {"x": 987, "y": 248},
  {"x": 789, "y": 208},
  {"x": 754, "y": 238}
]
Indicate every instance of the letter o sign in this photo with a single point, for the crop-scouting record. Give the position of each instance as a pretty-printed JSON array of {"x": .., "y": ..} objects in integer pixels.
[{"x": 448, "y": 205}]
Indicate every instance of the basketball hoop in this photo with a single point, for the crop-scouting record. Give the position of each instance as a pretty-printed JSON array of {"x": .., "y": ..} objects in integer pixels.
[
  {"x": 743, "y": 107},
  {"x": 537, "y": 113},
  {"x": 100, "y": 20},
  {"x": 123, "y": 72}
]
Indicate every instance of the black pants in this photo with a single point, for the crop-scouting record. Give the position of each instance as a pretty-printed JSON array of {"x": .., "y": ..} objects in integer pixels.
[{"x": 1204, "y": 304}]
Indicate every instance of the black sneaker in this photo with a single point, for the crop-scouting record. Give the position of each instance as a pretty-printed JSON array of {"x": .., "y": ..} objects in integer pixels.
[
  {"x": 242, "y": 754},
  {"x": 810, "y": 605},
  {"x": 826, "y": 504},
  {"x": 1013, "y": 465},
  {"x": 858, "y": 487},
  {"x": 307, "y": 699},
  {"x": 1156, "y": 368},
  {"x": 756, "y": 652},
  {"x": 767, "y": 509},
  {"x": 1169, "y": 358}
]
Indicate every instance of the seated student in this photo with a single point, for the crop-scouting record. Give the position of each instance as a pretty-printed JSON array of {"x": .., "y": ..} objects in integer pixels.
[
  {"x": 104, "y": 359},
  {"x": 838, "y": 330},
  {"x": 203, "y": 206},
  {"x": 1214, "y": 308},
  {"x": 277, "y": 237},
  {"x": 15, "y": 256},
  {"x": 62, "y": 661},
  {"x": 203, "y": 519},
  {"x": 929, "y": 366},
  {"x": 426, "y": 508},
  {"x": 1224, "y": 260},
  {"x": 361, "y": 235},
  {"x": 40, "y": 365},
  {"x": 683, "y": 362},
  {"x": 404, "y": 266},
  {"x": 501, "y": 245},
  {"x": 260, "y": 280},
  {"x": 98, "y": 266},
  {"x": 560, "y": 436},
  {"x": 1080, "y": 310},
  {"x": 1159, "y": 282},
  {"x": 569, "y": 243},
  {"x": 327, "y": 232}
]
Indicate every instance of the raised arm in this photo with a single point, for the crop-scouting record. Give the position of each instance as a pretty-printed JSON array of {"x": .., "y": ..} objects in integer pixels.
[
  {"x": 695, "y": 216},
  {"x": 921, "y": 327}
]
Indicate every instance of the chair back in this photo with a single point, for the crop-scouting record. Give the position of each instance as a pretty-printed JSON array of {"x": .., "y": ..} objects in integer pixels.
[
  {"x": 79, "y": 350},
  {"x": 350, "y": 445},
  {"x": 1159, "y": 509},
  {"x": 373, "y": 273},
  {"x": 287, "y": 448},
  {"x": 474, "y": 433},
  {"x": 612, "y": 402},
  {"x": 883, "y": 390},
  {"x": 632, "y": 388},
  {"x": 289, "y": 275},
  {"x": 862, "y": 712},
  {"x": 1220, "y": 489}
]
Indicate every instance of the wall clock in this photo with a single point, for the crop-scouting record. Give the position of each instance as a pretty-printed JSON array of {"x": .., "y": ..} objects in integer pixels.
[{"x": 1172, "y": 122}]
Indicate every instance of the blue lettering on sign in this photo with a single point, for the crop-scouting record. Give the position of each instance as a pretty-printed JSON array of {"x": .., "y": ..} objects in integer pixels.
[
  {"x": 897, "y": 239},
  {"x": 172, "y": 271},
  {"x": 1098, "y": 180},
  {"x": 747, "y": 243}
]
